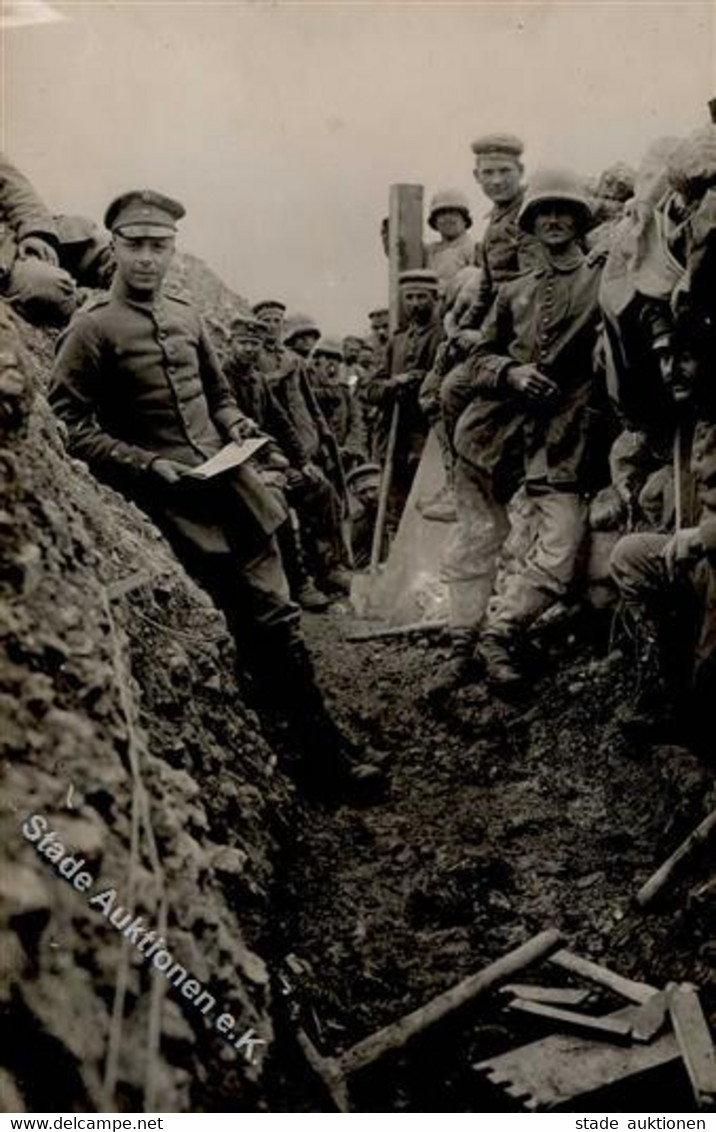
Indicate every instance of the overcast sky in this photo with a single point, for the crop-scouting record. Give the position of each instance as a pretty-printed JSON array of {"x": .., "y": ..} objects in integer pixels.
[{"x": 281, "y": 125}]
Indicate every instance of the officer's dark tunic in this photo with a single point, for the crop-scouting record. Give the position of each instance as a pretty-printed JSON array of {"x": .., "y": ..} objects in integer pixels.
[{"x": 138, "y": 381}]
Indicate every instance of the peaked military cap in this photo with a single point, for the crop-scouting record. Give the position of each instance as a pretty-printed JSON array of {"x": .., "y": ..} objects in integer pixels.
[
  {"x": 269, "y": 304},
  {"x": 500, "y": 144},
  {"x": 378, "y": 311},
  {"x": 242, "y": 326},
  {"x": 420, "y": 277},
  {"x": 142, "y": 212},
  {"x": 363, "y": 474}
]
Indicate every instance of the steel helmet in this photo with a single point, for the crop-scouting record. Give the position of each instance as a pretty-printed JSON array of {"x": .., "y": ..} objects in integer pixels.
[
  {"x": 329, "y": 348},
  {"x": 449, "y": 199},
  {"x": 297, "y": 325},
  {"x": 555, "y": 184}
]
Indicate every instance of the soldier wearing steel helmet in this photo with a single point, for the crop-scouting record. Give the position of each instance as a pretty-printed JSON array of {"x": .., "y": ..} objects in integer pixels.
[
  {"x": 138, "y": 385},
  {"x": 449, "y": 215},
  {"x": 341, "y": 409},
  {"x": 527, "y": 425}
]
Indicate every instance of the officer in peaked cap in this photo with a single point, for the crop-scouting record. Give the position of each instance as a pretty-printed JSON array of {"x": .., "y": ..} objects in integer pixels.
[
  {"x": 145, "y": 401},
  {"x": 143, "y": 213}
]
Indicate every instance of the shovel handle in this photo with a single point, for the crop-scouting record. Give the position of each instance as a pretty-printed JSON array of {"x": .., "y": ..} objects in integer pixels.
[{"x": 385, "y": 482}]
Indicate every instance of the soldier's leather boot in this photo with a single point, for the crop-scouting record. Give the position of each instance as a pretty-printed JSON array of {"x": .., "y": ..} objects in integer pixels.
[
  {"x": 338, "y": 580},
  {"x": 460, "y": 668},
  {"x": 501, "y": 670},
  {"x": 656, "y": 712},
  {"x": 310, "y": 598},
  {"x": 332, "y": 767}
]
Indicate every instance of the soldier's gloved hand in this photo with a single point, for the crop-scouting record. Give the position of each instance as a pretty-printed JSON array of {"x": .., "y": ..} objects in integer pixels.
[
  {"x": 169, "y": 471},
  {"x": 529, "y": 381},
  {"x": 39, "y": 248},
  {"x": 682, "y": 550}
]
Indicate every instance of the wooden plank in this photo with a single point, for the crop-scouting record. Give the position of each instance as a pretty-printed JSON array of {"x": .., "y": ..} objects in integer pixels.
[
  {"x": 555, "y": 996},
  {"x": 695, "y": 1043},
  {"x": 650, "y": 1018},
  {"x": 405, "y": 242},
  {"x": 595, "y": 973},
  {"x": 569, "y": 1021},
  {"x": 547, "y": 1075}
]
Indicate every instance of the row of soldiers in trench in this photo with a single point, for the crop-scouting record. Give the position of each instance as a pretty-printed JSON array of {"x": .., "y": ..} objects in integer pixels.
[{"x": 556, "y": 362}]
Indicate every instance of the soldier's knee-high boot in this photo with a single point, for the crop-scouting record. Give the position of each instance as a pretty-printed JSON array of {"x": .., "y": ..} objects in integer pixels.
[
  {"x": 329, "y": 761},
  {"x": 459, "y": 669},
  {"x": 658, "y": 709},
  {"x": 301, "y": 584}
]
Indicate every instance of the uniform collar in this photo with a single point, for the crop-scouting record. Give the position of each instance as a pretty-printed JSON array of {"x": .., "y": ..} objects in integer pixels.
[
  {"x": 562, "y": 265},
  {"x": 119, "y": 291},
  {"x": 499, "y": 211}
]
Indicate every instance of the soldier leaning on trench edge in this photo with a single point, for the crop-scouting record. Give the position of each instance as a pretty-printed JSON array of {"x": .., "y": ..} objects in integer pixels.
[{"x": 144, "y": 400}]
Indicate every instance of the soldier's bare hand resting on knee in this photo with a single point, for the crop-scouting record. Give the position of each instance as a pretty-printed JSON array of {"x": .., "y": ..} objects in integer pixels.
[
  {"x": 682, "y": 550},
  {"x": 529, "y": 381}
]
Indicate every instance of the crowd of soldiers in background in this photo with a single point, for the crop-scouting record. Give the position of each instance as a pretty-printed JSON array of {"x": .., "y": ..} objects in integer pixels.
[{"x": 558, "y": 361}]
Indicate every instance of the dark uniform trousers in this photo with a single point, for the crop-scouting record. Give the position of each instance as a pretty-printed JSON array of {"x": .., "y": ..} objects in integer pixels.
[
  {"x": 683, "y": 607},
  {"x": 410, "y": 350},
  {"x": 318, "y": 502}
]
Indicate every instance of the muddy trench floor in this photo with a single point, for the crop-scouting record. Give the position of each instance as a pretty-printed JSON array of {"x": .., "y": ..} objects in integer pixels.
[{"x": 501, "y": 820}]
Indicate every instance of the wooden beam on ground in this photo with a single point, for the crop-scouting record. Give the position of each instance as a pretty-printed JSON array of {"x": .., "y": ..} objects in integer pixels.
[
  {"x": 602, "y": 976},
  {"x": 379, "y": 633},
  {"x": 612, "y": 1029},
  {"x": 699, "y": 836},
  {"x": 398, "y": 1034}
]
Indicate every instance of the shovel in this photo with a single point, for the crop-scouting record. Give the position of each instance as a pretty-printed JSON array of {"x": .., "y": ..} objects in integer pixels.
[{"x": 363, "y": 585}]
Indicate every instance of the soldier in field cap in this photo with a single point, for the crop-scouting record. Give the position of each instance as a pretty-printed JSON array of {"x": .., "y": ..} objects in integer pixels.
[
  {"x": 145, "y": 401},
  {"x": 270, "y": 312},
  {"x": 506, "y": 251},
  {"x": 410, "y": 356}
]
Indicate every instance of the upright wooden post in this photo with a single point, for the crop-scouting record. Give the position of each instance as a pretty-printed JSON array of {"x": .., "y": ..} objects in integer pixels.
[
  {"x": 405, "y": 244},
  {"x": 712, "y": 109}
]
